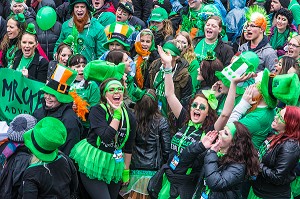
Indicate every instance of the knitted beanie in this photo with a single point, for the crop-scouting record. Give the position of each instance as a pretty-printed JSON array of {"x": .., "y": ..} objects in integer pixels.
[{"x": 19, "y": 126}]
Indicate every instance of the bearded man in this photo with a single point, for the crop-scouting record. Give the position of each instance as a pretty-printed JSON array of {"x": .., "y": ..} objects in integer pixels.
[{"x": 88, "y": 33}]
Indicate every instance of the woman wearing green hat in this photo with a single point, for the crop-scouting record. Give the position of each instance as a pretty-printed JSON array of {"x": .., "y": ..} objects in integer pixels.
[
  {"x": 161, "y": 26},
  {"x": 51, "y": 174},
  {"x": 104, "y": 157},
  {"x": 28, "y": 60},
  {"x": 10, "y": 44}
]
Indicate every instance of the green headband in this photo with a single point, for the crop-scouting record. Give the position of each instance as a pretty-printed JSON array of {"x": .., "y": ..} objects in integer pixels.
[
  {"x": 232, "y": 128},
  {"x": 110, "y": 83},
  {"x": 150, "y": 95},
  {"x": 170, "y": 46}
]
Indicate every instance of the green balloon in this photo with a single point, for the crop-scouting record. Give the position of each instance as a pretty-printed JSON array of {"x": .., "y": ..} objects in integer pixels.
[{"x": 46, "y": 18}]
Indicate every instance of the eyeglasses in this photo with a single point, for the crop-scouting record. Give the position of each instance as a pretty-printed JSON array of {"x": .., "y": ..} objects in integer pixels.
[
  {"x": 251, "y": 26},
  {"x": 198, "y": 106},
  {"x": 119, "y": 89},
  {"x": 294, "y": 45},
  {"x": 279, "y": 116}
]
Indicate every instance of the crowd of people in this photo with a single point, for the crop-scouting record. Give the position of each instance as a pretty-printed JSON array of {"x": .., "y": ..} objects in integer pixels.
[{"x": 152, "y": 99}]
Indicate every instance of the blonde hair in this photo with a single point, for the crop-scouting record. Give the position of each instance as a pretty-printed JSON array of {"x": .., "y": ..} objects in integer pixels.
[
  {"x": 189, "y": 55},
  {"x": 297, "y": 37},
  {"x": 168, "y": 28}
]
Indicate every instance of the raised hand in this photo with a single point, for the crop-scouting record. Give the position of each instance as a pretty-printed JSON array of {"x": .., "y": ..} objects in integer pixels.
[
  {"x": 243, "y": 78},
  {"x": 209, "y": 138},
  {"x": 248, "y": 95},
  {"x": 216, "y": 146},
  {"x": 166, "y": 58}
]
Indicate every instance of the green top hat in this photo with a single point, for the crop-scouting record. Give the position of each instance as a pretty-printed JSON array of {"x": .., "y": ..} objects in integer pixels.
[
  {"x": 99, "y": 70},
  {"x": 20, "y": 17},
  {"x": 245, "y": 63},
  {"x": 31, "y": 29},
  {"x": 59, "y": 84},
  {"x": 127, "y": 7},
  {"x": 284, "y": 88},
  {"x": 119, "y": 32},
  {"x": 73, "y": 2},
  {"x": 170, "y": 47},
  {"x": 158, "y": 14},
  {"x": 69, "y": 40},
  {"x": 45, "y": 138}
]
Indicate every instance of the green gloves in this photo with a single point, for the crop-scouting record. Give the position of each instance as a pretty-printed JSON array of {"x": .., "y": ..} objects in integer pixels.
[
  {"x": 125, "y": 175},
  {"x": 118, "y": 113}
]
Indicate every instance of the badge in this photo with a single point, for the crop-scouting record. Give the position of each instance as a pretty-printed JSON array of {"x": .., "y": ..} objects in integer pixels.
[
  {"x": 118, "y": 155},
  {"x": 159, "y": 105},
  {"x": 80, "y": 41},
  {"x": 174, "y": 162},
  {"x": 204, "y": 196}
]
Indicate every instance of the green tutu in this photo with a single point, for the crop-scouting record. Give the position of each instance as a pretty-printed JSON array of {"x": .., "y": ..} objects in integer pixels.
[
  {"x": 295, "y": 186},
  {"x": 138, "y": 182},
  {"x": 252, "y": 195},
  {"x": 96, "y": 164}
]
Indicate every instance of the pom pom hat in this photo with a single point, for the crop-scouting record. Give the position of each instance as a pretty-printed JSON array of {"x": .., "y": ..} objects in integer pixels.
[{"x": 45, "y": 138}]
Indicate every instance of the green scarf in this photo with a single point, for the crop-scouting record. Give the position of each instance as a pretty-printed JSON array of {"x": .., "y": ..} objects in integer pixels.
[{"x": 279, "y": 39}]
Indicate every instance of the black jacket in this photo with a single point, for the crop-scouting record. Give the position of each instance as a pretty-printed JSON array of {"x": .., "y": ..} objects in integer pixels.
[
  {"x": 142, "y": 9},
  {"x": 224, "y": 52},
  {"x": 223, "y": 180},
  {"x": 37, "y": 70},
  {"x": 278, "y": 171},
  {"x": 68, "y": 117},
  {"x": 57, "y": 179},
  {"x": 48, "y": 38},
  {"x": 30, "y": 15},
  {"x": 2, "y": 28},
  {"x": 12, "y": 174},
  {"x": 145, "y": 152},
  {"x": 63, "y": 13}
]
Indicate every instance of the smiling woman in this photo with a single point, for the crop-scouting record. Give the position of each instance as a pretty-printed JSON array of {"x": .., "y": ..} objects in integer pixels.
[{"x": 28, "y": 61}]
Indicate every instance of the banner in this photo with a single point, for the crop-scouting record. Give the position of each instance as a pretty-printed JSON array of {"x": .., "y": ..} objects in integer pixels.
[{"x": 19, "y": 95}]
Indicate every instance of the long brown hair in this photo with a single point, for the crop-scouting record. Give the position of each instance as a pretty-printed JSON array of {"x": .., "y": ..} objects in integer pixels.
[
  {"x": 145, "y": 111},
  {"x": 189, "y": 55},
  {"x": 242, "y": 151}
]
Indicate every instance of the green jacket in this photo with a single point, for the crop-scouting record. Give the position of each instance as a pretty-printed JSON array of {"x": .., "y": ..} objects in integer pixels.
[{"x": 89, "y": 41}]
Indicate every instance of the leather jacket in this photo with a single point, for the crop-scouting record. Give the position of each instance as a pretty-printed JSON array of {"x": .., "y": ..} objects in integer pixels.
[
  {"x": 145, "y": 155},
  {"x": 278, "y": 171}
]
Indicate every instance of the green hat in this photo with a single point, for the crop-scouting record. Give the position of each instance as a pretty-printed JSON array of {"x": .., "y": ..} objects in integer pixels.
[
  {"x": 119, "y": 32},
  {"x": 247, "y": 62},
  {"x": 127, "y": 6},
  {"x": 31, "y": 29},
  {"x": 45, "y": 138},
  {"x": 59, "y": 84},
  {"x": 69, "y": 40},
  {"x": 170, "y": 47},
  {"x": 19, "y": 1},
  {"x": 20, "y": 17},
  {"x": 158, "y": 14},
  {"x": 284, "y": 88},
  {"x": 99, "y": 70},
  {"x": 73, "y": 2}
]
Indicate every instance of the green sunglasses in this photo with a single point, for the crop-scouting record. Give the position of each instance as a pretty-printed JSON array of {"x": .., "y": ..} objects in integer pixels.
[{"x": 199, "y": 106}]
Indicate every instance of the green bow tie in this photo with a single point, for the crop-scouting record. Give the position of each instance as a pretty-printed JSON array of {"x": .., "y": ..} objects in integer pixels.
[{"x": 197, "y": 126}]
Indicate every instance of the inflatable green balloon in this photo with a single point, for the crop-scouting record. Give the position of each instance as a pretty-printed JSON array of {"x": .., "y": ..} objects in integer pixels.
[{"x": 46, "y": 18}]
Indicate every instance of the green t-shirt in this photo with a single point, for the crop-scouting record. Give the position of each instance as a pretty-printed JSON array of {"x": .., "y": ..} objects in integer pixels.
[
  {"x": 294, "y": 7},
  {"x": 24, "y": 63},
  {"x": 202, "y": 48},
  {"x": 259, "y": 123}
]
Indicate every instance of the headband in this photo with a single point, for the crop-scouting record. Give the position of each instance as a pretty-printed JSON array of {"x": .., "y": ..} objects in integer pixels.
[
  {"x": 151, "y": 96},
  {"x": 232, "y": 128},
  {"x": 110, "y": 83},
  {"x": 170, "y": 46}
]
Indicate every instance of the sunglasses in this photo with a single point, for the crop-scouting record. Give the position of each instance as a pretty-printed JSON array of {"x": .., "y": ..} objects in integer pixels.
[
  {"x": 279, "y": 116},
  {"x": 119, "y": 89},
  {"x": 198, "y": 106}
]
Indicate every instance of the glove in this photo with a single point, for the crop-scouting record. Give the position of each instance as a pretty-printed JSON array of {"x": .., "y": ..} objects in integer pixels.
[
  {"x": 118, "y": 113},
  {"x": 125, "y": 175}
]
